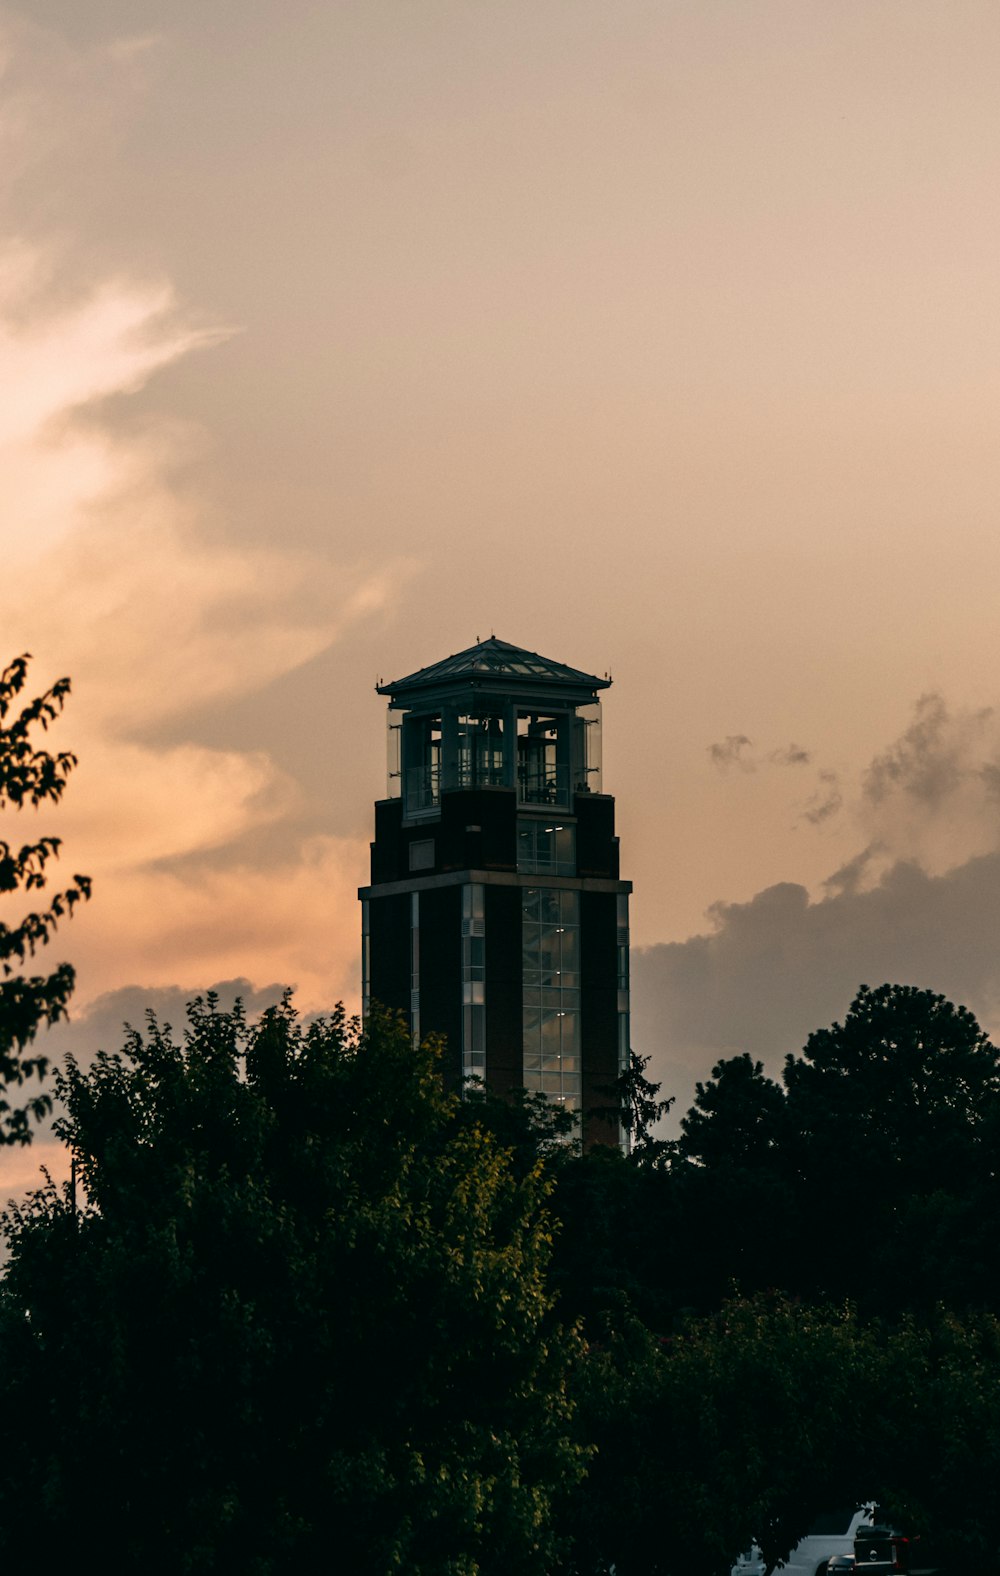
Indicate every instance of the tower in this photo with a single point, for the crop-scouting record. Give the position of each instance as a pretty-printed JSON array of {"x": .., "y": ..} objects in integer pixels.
[{"x": 496, "y": 915}]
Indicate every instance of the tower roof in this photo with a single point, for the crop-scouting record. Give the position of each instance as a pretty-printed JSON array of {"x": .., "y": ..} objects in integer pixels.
[{"x": 498, "y": 665}]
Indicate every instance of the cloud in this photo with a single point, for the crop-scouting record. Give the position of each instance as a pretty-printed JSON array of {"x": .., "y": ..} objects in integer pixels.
[
  {"x": 732, "y": 752},
  {"x": 775, "y": 968},
  {"x": 931, "y": 795},
  {"x": 826, "y": 801},
  {"x": 101, "y": 1026},
  {"x": 118, "y": 573},
  {"x": 737, "y": 750},
  {"x": 919, "y": 903},
  {"x": 299, "y": 923},
  {"x": 791, "y": 755}
]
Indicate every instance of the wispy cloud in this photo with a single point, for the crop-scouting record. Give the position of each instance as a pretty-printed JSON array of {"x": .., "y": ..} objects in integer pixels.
[
  {"x": 826, "y": 801},
  {"x": 156, "y": 608},
  {"x": 734, "y": 750}
]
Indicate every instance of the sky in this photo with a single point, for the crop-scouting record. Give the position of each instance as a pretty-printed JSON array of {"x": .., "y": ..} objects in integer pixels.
[{"x": 660, "y": 338}]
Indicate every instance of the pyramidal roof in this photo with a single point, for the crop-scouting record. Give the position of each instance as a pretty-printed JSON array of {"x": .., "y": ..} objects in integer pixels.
[{"x": 495, "y": 662}]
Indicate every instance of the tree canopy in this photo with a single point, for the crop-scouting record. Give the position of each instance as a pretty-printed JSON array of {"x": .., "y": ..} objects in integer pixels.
[
  {"x": 301, "y": 1307},
  {"x": 299, "y": 1318},
  {"x": 29, "y": 777}
]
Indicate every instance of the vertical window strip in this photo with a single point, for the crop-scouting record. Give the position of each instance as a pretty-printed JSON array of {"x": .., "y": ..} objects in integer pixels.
[
  {"x": 366, "y": 958},
  {"x": 551, "y": 994},
  {"x": 474, "y": 981},
  {"x": 623, "y": 983},
  {"x": 415, "y": 967}
]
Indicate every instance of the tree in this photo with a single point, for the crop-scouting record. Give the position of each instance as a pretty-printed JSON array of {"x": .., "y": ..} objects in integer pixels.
[
  {"x": 908, "y": 1078},
  {"x": 534, "y": 1130},
  {"x": 29, "y": 776},
  {"x": 725, "y": 1432},
  {"x": 751, "y": 1422},
  {"x": 300, "y": 1322},
  {"x": 737, "y": 1118},
  {"x": 637, "y": 1108}
]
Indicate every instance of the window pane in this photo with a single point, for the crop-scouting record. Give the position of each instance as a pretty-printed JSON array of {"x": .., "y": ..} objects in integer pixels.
[
  {"x": 548, "y": 905},
  {"x": 570, "y": 1039},
  {"x": 570, "y": 951}
]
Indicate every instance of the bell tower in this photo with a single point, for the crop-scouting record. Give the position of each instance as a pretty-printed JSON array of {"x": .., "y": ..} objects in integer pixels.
[{"x": 496, "y": 914}]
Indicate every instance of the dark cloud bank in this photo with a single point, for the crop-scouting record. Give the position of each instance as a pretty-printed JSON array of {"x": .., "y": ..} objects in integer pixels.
[{"x": 773, "y": 969}]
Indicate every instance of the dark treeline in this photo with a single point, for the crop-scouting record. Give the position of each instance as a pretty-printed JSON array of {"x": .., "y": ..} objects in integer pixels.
[
  {"x": 870, "y": 1173},
  {"x": 795, "y": 1304},
  {"x": 301, "y": 1308}
]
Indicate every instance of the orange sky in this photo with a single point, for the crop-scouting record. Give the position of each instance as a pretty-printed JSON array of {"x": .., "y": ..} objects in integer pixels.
[{"x": 657, "y": 337}]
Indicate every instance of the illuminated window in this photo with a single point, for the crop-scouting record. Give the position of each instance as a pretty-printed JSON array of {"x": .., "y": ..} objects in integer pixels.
[{"x": 546, "y": 847}]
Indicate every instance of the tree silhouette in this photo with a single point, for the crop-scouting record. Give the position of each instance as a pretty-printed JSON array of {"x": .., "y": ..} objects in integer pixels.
[
  {"x": 29, "y": 777},
  {"x": 300, "y": 1322}
]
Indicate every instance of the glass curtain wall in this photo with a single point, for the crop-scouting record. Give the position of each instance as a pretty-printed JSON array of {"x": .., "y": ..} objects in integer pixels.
[
  {"x": 473, "y": 981},
  {"x": 550, "y": 932}
]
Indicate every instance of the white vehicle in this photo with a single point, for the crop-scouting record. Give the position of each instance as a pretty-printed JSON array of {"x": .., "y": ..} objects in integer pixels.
[{"x": 829, "y": 1535}]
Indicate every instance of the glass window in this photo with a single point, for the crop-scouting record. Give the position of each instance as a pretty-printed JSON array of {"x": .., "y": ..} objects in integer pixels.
[
  {"x": 473, "y": 980},
  {"x": 570, "y": 949},
  {"x": 542, "y": 776},
  {"x": 422, "y": 854},
  {"x": 549, "y": 911},
  {"x": 546, "y": 848},
  {"x": 393, "y": 753},
  {"x": 474, "y": 909},
  {"x": 587, "y": 749},
  {"x": 415, "y": 966},
  {"x": 421, "y": 764},
  {"x": 550, "y": 949},
  {"x": 480, "y": 751},
  {"x": 366, "y": 958}
]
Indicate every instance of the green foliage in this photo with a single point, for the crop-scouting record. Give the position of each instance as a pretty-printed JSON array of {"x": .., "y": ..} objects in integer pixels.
[
  {"x": 301, "y": 1321},
  {"x": 29, "y": 777},
  {"x": 534, "y": 1131},
  {"x": 751, "y": 1422},
  {"x": 717, "y": 1435}
]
